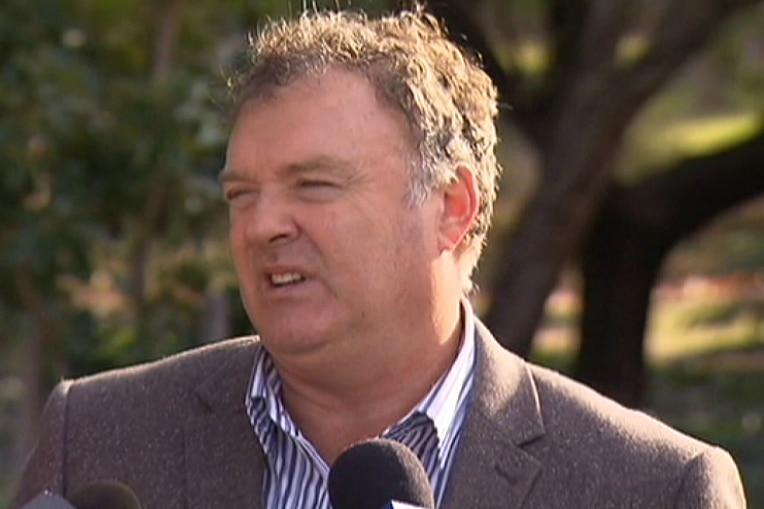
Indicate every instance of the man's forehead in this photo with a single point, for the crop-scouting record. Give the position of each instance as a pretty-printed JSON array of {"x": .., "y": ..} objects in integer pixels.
[{"x": 342, "y": 94}]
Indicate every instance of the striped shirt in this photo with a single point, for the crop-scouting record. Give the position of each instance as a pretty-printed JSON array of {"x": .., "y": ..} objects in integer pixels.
[{"x": 296, "y": 474}]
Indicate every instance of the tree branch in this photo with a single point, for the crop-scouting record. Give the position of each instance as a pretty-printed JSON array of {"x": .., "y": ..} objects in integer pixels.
[
  {"x": 678, "y": 36},
  {"x": 167, "y": 37},
  {"x": 586, "y": 36},
  {"x": 681, "y": 199},
  {"x": 509, "y": 82}
]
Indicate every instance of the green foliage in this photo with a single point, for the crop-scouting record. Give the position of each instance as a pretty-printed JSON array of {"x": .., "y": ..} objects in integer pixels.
[
  {"x": 715, "y": 102},
  {"x": 112, "y": 228},
  {"x": 103, "y": 156}
]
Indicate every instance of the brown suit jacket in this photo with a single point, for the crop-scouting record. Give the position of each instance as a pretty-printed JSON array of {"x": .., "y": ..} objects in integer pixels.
[{"x": 177, "y": 433}]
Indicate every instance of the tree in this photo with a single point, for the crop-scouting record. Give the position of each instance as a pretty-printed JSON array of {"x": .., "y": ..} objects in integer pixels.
[
  {"x": 575, "y": 111},
  {"x": 632, "y": 234},
  {"x": 110, "y": 146}
]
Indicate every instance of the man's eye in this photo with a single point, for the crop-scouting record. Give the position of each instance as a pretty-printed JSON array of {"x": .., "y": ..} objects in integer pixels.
[
  {"x": 317, "y": 189},
  {"x": 315, "y": 183},
  {"x": 233, "y": 195}
]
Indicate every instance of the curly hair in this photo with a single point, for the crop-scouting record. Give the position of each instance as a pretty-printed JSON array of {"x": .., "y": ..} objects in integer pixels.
[{"x": 448, "y": 101}]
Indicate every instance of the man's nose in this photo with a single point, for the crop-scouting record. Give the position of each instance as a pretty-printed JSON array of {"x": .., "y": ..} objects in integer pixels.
[{"x": 271, "y": 220}]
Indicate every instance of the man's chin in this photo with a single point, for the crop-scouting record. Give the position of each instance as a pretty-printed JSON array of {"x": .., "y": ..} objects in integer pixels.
[{"x": 291, "y": 342}]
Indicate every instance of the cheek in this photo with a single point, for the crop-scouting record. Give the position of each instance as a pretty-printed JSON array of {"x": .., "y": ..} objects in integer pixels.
[
  {"x": 239, "y": 246},
  {"x": 352, "y": 243},
  {"x": 238, "y": 227},
  {"x": 236, "y": 241}
]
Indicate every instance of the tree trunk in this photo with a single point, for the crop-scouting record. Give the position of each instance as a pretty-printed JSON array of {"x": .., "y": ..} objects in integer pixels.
[
  {"x": 620, "y": 264},
  {"x": 217, "y": 316},
  {"x": 635, "y": 230},
  {"x": 33, "y": 396},
  {"x": 42, "y": 333},
  {"x": 168, "y": 30},
  {"x": 577, "y": 171}
]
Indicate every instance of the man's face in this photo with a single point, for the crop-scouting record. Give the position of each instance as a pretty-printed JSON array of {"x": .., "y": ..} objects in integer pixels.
[{"x": 326, "y": 248}]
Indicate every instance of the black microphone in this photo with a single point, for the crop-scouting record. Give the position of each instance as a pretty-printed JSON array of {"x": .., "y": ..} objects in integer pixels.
[
  {"x": 105, "y": 495},
  {"x": 98, "y": 495},
  {"x": 376, "y": 473}
]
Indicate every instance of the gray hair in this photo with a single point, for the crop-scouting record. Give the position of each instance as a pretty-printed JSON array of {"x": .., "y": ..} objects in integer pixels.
[{"x": 448, "y": 101}]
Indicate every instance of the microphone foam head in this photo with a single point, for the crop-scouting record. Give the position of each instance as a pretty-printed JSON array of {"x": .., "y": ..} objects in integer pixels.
[
  {"x": 370, "y": 474},
  {"x": 105, "y": 494}
]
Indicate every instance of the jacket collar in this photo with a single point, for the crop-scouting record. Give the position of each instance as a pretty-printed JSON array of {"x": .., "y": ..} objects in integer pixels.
[
  {"x": 224, "y": 461},
  {"x": 491, "y": 468}
]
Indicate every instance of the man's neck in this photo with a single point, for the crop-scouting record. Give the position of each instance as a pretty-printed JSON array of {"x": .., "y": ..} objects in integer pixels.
[{"x": 354, "y": 399}]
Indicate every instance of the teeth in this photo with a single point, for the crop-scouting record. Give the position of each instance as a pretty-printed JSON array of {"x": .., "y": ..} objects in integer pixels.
[{"x": 285, "y": 278}]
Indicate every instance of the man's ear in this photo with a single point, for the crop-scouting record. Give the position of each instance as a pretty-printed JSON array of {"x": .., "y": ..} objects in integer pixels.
[{"x": 461, "y": 202}]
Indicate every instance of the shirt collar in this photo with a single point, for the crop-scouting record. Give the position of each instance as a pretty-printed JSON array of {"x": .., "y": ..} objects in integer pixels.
[{"x": 441, "y": 404}]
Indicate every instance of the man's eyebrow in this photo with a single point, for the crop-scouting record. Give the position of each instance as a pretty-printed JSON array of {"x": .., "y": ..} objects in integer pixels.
[
  {"x": 227, "y": 174},
  {"x": 321, "y": 164}
]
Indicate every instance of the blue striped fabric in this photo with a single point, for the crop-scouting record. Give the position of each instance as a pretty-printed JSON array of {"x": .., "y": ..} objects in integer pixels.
[{"x": 296, "y": 474}]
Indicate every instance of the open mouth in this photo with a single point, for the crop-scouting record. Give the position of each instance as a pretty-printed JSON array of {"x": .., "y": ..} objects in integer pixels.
[{"x": 286, "y": 279}]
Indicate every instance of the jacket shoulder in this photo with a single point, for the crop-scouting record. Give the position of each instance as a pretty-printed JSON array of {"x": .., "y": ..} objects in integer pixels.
[
  {"x": 590, "y": 450},
  {"x": 114, "y": 422},
  {"x": 619, "y": 449},
  {"x": 182, "y": 369},
  {"x": 570, "y": 408},
  {"x": 153, "y": 395}
]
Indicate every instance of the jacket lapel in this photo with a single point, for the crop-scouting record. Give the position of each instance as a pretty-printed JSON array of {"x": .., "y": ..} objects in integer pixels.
[
  {"x": 224, "y": 461},
  {"x": 491, "y": 469}
]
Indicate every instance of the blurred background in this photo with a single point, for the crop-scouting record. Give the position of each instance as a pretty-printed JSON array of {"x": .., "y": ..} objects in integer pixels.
[{"x": 628, "y": 242}]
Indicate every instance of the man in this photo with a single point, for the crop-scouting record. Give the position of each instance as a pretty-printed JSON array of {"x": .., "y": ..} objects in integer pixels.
[{"x": 360, "y": 176}]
